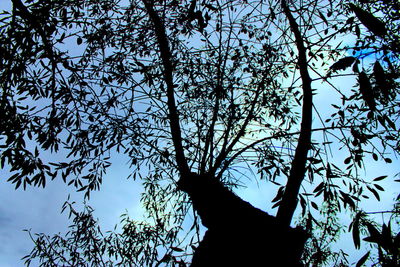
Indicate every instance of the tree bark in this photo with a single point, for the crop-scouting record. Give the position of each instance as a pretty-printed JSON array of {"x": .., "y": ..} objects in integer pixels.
[
  {"x": 173, "y": 116},
  {"x": 239, "y": 234},
  {"x": 296, "y": 176}
]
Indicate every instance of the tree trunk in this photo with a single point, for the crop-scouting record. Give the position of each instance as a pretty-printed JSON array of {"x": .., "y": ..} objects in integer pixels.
[{"x": 238, "y": 234}]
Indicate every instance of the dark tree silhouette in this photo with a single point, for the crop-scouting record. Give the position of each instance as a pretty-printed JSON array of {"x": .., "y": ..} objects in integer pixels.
[
  {"x": 190, "y": 90},
  {"x": 261, "y": 240}
]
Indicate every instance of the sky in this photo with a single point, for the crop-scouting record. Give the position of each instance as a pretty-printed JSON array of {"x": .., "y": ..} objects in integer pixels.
[{"x": 39, "y": 209}]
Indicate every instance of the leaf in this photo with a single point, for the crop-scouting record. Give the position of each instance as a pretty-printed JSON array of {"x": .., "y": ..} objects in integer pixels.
[
  {"x": 303, "y": 204},
  {"x": 319, "y": 187},
  {"x": 342, "y": 63},
  {"x": 279, "y": 194},
  {"x": 382, "y": 121},
  {"x": 82, "y": 188},
  {"x": 347, "y": 200},
  {"x": 355, "y": 67},
  {"x": 372, "y": 23},
  {"x": 380, "y": 188},
  {"x": 362, "y": 260},
  {"x": 323, "y": 17},
  {"x": 314, "y": 205},
  {"x": 388, "y": 160},
  {"x": 390, "y": 122},
  {"x": 18, "y": 184},
  {"x": 105, "y": 80},
  {"x": 381, "y": 80},
  {"x": 386, "y": 240},
  {"x": 177, "y": 249},
  {"x": 374, "y": 234},
  {"x": 276, "y": 204},
  {"x": 213, "y": 8},
  {"x": 380, "y": 178},
  {"x": 356, "y": 231},
  {"x": 375, "y": 193},
  {"x": 366, "y": 90}
]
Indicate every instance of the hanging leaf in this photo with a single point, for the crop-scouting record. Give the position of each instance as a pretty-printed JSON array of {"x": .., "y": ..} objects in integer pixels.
[
  {"x": 329, "y": 173},
  {"x": 347, "y": 200},
  {"x": 342, "y": 64},
  {"x": 386, "y": 237},
  {"x": 362, "y": 260},
  {"x": 388, "y": 160},
  {"x": 366, "y": 90},
  {"x": 356, "y": 231},
  {"x": 355, "y": 66},
  {"x": 380, "y": 188},
  {"x": 372, "y": 23},
  {"x": 381, "y": 81},
  {"x": 384, "y": 84},
  {"x": 276, "y": 204},
  {"x": 375, "y": 235},
  {"x": 303, "y": 204},
  {"x": 376, "y": 194},
  {"x": 279, "y": 194},
  {"x": 323, "y": 18}
]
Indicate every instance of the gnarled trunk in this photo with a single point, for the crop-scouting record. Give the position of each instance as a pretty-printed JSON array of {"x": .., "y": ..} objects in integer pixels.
[{"x": 238, "y": 234}]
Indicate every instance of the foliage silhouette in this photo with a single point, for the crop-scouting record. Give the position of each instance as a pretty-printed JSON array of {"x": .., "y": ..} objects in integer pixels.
[{"x": 191, "y": 91}]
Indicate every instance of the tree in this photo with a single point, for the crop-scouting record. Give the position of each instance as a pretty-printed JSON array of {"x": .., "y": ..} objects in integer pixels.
[{"x": 189, "y": 90}]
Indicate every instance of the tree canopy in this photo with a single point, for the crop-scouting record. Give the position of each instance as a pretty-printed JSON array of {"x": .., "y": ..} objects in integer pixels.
[{"x": 203, "y": 87}]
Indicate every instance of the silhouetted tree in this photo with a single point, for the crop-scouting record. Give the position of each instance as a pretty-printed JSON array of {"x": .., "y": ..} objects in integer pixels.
[{"x": 189, "y": 90}]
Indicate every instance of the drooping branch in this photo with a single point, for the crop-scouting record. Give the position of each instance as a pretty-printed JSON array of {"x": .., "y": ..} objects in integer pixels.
[
  {"x": 289, "y": 199},
  {"x": 166, "y": 56}
]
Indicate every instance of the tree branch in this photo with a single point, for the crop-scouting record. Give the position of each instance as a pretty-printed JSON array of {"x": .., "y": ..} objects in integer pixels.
[
  {"x": 166, "y": 56},
  {"x": 219, "y": 95},
  {"x": 210, "y": 135},
  {"x": 289, "y": 200},
  {"x": 229, "y": 160},
  {"x": 225, "y": 152}
]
